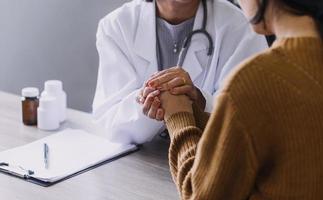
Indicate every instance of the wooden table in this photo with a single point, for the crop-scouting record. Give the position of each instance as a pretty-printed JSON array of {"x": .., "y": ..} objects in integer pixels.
[{"x": 141, "y": 175}]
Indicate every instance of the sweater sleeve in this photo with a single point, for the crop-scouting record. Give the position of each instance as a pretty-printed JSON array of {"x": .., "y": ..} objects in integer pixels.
[
  {"x": 218, "y": 163},
  {"x": 201, "y": 117}
]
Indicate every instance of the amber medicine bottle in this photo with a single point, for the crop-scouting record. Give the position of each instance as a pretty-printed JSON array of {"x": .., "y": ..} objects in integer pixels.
[{"x": 30, "y": 102}]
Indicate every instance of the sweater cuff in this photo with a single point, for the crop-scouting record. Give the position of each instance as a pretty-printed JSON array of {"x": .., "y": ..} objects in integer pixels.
[{"x": 179, "y": 121}]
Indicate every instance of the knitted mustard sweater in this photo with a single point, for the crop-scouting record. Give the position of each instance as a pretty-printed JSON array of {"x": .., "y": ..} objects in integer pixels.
[{"x": 264, "y": 139}]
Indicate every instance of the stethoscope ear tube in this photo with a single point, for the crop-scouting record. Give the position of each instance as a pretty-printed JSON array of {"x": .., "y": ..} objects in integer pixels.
[
  {"x": 188, "y": 39},
  {"x": 181, "y": 57}
]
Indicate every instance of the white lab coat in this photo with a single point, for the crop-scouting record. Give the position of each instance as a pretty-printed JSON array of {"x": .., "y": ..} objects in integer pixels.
[{"x": 126, "y": 43}]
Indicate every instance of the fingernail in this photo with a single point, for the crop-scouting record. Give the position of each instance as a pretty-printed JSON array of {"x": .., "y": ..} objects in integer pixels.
[{"x": 151, "y": 84}]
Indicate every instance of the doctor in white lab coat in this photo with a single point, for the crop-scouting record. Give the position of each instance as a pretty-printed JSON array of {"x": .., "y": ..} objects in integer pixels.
[{"x": 126, "y": 43}]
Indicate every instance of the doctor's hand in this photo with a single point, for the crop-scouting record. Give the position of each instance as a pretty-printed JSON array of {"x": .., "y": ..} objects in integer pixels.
[
  {"x": 173, "y": 104},
  {"x": 149, "y": 99},
  {"x": 178, "y": 82}
]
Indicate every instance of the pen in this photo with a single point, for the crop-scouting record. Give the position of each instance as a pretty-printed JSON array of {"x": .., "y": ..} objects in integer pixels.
[{"x": 46, "y": 152}]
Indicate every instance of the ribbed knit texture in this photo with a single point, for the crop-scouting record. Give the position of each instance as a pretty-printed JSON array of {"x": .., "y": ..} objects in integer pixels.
[
  {"x": 264, "y": 139},
  {"x": 167, "y": 36}
]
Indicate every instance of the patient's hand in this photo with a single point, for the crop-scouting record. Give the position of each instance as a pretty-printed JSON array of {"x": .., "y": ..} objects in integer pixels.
[
  {"x": 173, "y": 104},
  {"x": 173, "y": 81}
]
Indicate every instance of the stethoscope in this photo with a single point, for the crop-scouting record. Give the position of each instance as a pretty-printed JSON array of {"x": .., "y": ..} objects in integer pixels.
[
  {"x": 187, "y": 40},
  {"x": 187, "y": 43}
]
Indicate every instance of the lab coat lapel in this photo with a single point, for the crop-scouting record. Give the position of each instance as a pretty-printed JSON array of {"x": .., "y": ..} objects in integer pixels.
[
  {"x": 196, "y": 54},
  {"x": 145, "y": 42},
  {"x": 145, "y": 38}
]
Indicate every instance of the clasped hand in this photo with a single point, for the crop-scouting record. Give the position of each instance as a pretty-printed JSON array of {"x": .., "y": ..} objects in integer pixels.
[{"x": 167, "y": 92}]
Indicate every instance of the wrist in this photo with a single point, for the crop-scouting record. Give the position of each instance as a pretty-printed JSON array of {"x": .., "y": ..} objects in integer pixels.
[{"x": 200, "y": 101}]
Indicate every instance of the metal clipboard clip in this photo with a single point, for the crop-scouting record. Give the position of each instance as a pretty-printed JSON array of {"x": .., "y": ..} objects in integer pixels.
[{"x": 27, "y": 171}]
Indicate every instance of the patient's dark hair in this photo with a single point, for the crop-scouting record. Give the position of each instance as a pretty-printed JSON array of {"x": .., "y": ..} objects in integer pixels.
[{"x": 313, "y": 8}]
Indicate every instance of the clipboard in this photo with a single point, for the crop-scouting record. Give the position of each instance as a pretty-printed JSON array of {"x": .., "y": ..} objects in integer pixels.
[{"x": 32, "y": 178}]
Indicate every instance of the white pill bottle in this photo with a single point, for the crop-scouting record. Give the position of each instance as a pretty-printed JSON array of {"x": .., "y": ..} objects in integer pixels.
[
  {"x": 54, "y": 89},
  {"x": 48, "y": 118}
]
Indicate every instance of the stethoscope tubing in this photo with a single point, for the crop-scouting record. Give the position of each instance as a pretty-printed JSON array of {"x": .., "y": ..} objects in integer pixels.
[{"x": 187, "y": 41}]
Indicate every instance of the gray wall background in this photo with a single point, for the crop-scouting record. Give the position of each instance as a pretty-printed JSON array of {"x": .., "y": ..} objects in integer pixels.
[{"x": 51, "y": 39}]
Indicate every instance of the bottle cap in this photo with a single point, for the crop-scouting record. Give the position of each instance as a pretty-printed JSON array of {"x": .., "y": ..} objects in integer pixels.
[
  {"x": 53, "y": 86},
  {"x": 30, "y": 92},
  {"x": 47, "y": 103}
]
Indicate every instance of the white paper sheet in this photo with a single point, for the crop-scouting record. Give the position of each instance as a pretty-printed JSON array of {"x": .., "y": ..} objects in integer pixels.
[{"x": 70, "y": 151}]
